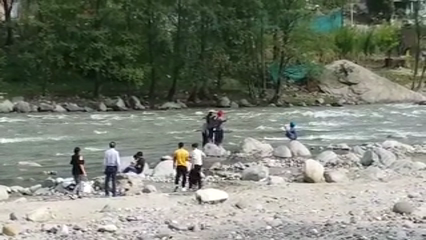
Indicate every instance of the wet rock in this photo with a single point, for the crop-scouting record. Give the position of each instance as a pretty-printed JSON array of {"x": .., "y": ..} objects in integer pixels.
[
  {"x": 6, "y": 106},
  {"x": 135, "y": 103},
  {"x": 252, "y": 146},
  {"x": 211, "y": 195},
  {"x": 224, "y": 102},
  {"x": 313, "y": 171},
  {"x": 45, "y": 107},
  {"x": 108, "y": 228},
  {"x": 22, "y": 107},
  {"x": 255, "y": 173},
  {"x": 298, "y": 149},
  {"x": 10, "y": 230},
  {"x": 101, "y": 107},
  {"x": 116, "y": 104},
  {"x": 282, "y": 152},
  {"x": 403, "y": 207},
  {"x": 59, "y": 109}
]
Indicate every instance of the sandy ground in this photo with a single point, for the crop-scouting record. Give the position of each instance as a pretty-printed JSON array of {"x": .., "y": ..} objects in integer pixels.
[{"x": 355, "y": 210}]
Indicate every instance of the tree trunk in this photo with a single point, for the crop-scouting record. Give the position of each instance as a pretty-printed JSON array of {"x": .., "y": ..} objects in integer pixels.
[
  {"x": 417, "y": 49},
  {"x": 177, "y": 53},
  {"x": 7, "y": 8},
  {"x": 262, "y": 58},
  {"x": 151, "y": 18}
]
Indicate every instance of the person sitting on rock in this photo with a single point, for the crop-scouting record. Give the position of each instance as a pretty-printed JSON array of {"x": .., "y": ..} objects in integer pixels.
[
  {"x": 291, "y": 133},
  {"x": 137, "y": 166},
  {"x": 218, "y": 130}
]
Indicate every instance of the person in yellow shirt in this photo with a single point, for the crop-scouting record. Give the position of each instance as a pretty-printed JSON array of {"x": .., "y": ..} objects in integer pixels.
[{"x": 180, "y": 163}]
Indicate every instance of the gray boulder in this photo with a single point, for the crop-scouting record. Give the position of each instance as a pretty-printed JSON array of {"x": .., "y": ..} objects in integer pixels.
[
  {"x": 172, "y": 106},
  {"x": 213, "y": 150},
  {"x": 101, "y": 107},
  {"x": 252, "y": 146},
  {"x": 116, "y": 104},
  {"x": 22, "y": 107},
  {"x": 358, "y": 151},
  {"x": 135, "y": 103},
  {"x": 282, "y": 152},
  {"x": 234, "y": 105},
  {"x": 45, "y": 107},
  {"x": 313, "y": 171},
  {"x": 403, "y": 207},
  {"x": 224, "y": 102},
  {"x": 347, "y": 80},
  {"x": 6, "y": 106},
  {"x": 327, "y": 157},
  {"x": 73, "y": 107},
  {"x": 298, "y": 149},
  {"x": 245, "y": 103},
  {"x": 255, "y": 173},
  {"x": 164, "y": 169},
  {"x": 211, "y": 195},
  {"x": 336, "y": 176},
  {"x": 59, "y": 109}
]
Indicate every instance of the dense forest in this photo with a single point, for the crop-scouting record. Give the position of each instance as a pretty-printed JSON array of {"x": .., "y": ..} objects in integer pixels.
[{"x": 163, "y": 47}]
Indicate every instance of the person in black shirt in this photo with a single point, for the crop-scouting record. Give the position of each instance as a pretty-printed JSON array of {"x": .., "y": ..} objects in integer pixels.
[
  {"x": 78, "y": 171},
  {"x": 138, "y": 165}
]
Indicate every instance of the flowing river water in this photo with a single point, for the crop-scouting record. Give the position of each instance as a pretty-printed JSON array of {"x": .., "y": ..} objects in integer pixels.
[{"x": 48, "y": 139}]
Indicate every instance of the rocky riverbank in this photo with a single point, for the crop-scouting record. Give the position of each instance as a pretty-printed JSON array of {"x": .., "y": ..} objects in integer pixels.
[{"x": 374, "y": 191}]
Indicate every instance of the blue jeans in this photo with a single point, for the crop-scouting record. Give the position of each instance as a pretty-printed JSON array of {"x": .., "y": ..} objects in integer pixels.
[{"x": 110, "y": 175}]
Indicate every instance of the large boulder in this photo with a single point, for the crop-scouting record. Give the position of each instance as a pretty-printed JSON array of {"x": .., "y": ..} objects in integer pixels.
[
  {"x": 172, "y": 105},
  {"x": 59, "y": 109},
  {"x": 224, "y": 102},
  {"x": 347, "y": 80},
  {"x": 313, "y": 171},
  {"x": 298, "y": 149},
  {"x": 211, "y": 195},
  {"x": 116, "y": 104},
  {"x": 22, "y": 107},
  {"x": 392, "y": 144},
  {"x": 73, "y": 107},
  {"x": 252, "y": 146},
  {"x": 164, "y": 169},
  {"x": 327, "y": 157},
  {"x": 212, "y": 150},
  {"x": 6, "y": 106},
  {"x": 282, "y": 152},
  {"x": 378, "y": 157},
  {"x": 255, "y": 173},
  {"x": 135, "y": 103},
  {"x": 45, "y": 107}
]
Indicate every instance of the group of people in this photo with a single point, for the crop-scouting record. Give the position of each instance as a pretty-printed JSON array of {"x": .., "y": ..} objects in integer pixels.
[
  {"x": 187, "y": 166},
  {"x": 212, "y": 131}
]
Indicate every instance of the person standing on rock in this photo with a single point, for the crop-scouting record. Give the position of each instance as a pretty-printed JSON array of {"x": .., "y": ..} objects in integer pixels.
[
  {"x": 218, "y": 130},
  {"x": 210, "y": 125},
  {"x": 78, "y": 170},
  {"x": 291, "y": 133},
  {"x": 180, "y": 164},
  {"x": 197, "y": 162},
  {"x": 112, "y": 164}
]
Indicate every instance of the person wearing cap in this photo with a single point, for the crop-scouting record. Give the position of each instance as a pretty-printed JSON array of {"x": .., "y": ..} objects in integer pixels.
[
  {"x": 112, "y": 164},
  {"x": 290, "y": 132}
]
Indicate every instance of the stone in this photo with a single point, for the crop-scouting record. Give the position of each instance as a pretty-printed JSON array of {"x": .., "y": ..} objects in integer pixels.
[
  {"x": 22, "y": 107},
  {"x": 116, "y": 104},
  {"x": 275, "y": 180},
  {"x": 255, "y": 173},
  {"x": 72, "y": 107},
  {"x": 211, "y": 195},
  {"x": 347, "y": 80},
  {"x": 234, "y": 105},
  {"x": 224, "y": 102},
  {"x": 335, "y": 176},
  {"x": 49, "y": 228},
  {"x": 327, "y": 157},
  {"x": 59, "y": 109},
  {"x": 166, "y": 157},
  {"x": 64, "y": 230},
  {"x": 212, "y": 150},
  {"x": 245, "y": 103},
  {"x": 385, "y": 158},
  {"x": 149, "y": 189},
  {"x": 164, "y": 169},
  {"x": 252, "y": 146},
  {"x": 282, "y": 152},
  {"x": 403, "y": 207},
  {"x": 6, "y": 106},
  {"x": 10, "y": 230},
  {"x": 298, "y": 149},
  {"x": 17, "y": 189},
  {"x": 320, "y": 101},
  {"x": 35, "y": 188},
  {"x": 101, "y": 107},
  {"x": 49, "y": 183},
  {"x": 358, "y": 151},
  {"x": 108, "y": 228},
  {"x": 171, "y": 106},
  {"x": 135, "y": 103},
  {"x": 13, "y": 217},
  {"x": 4, "y": 193},
  {"x": 392, "y": 144},
  {"x": 39, "y": 215},
  {"x": 313, "y": 171},
  {"x": 45, "y": 107}
]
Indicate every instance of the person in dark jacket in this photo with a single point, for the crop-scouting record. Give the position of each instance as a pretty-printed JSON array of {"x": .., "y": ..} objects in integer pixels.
[
  {"x": 290, "y": 132},
  {"x": 137, "y": 166},
  {"x": 78, "y": 171},
  {"x": 210, "y": 124},
  {"x": 218, "y": 130}
]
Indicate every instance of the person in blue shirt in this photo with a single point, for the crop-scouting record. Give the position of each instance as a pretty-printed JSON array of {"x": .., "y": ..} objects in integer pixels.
[{"x": 291, "y": 133}]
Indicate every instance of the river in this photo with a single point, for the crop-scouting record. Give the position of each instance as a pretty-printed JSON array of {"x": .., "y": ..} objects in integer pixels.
[{"x": 48, "y": 139}]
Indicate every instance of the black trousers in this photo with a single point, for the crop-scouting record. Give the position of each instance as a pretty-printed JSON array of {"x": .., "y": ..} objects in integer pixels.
[
  {"x": 205, "y": 137},
  {"x": 195, "y": 177},
  {"x": 181, "y": 172},
  {"x": 110, "y": 176},
  {"x": 218, "y": 136}
]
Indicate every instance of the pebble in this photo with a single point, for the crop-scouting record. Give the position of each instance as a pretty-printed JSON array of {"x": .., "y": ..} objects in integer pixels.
[
  {"x": 108, "y": 228},
  {"x": 13, "y": 217},
  {"x": 10, "y": 230},
  {"x": 403, "y": 208}
]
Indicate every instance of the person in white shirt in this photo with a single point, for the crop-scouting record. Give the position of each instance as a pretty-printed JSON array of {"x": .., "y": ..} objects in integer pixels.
[
  {"x": 196, "y": 162},
  {"x": 112, "y": 164}
]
